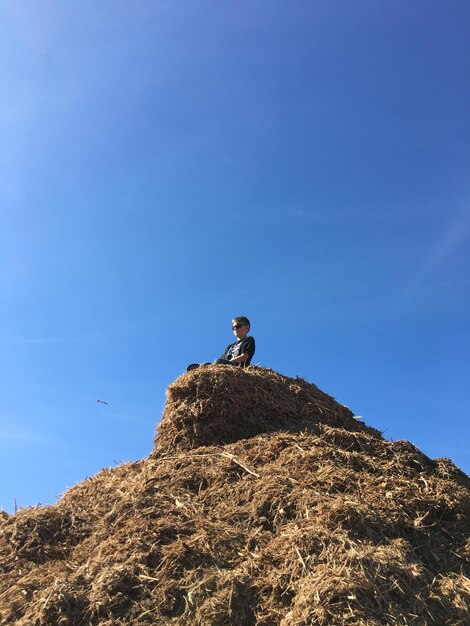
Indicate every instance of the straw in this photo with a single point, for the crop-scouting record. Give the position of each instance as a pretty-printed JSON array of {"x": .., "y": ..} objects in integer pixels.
[{"x": 264, "y": 502}]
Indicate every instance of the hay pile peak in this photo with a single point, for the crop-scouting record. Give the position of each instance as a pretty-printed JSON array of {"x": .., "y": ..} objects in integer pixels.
[
  {"x": 217, "y": 405},
  {"x": 263, "y": 503}
]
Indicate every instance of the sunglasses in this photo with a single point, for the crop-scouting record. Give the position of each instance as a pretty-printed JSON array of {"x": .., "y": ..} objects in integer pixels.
[{"x": 237, "y": 326}]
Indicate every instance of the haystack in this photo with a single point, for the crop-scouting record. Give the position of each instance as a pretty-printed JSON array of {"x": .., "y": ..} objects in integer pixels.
[
  {"x": 265, "y": 503},
  {"x": 218, "y": 406}
]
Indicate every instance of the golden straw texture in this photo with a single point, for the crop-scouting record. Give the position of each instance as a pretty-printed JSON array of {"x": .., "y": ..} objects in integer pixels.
[{"x": 263, "y": 503}]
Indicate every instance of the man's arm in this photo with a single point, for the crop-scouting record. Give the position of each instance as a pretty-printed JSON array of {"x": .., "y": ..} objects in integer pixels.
[{"x": 240, "y": 358}]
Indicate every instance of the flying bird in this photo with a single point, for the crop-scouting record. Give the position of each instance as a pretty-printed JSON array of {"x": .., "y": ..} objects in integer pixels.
[{"x": 102, "y": 401}]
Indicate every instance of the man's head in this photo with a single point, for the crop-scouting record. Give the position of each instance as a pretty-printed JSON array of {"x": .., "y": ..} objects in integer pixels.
[{"x": 240, "y": 327}]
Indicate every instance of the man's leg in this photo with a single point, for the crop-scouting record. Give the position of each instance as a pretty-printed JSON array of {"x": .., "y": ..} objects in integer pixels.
[
  {"x": 224, "y": 362},
  {"x": 194, "y": 366}
]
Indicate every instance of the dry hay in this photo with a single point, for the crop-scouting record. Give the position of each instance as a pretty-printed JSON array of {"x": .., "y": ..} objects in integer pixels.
[
  {"x": 217, "y": 406},
  {"x": 329, "y": 526}
]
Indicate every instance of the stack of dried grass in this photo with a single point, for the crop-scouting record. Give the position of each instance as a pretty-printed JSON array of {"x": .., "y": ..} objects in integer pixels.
[
  {"x": 305, "y": 517},
  {"x": 219, "y": 406}
]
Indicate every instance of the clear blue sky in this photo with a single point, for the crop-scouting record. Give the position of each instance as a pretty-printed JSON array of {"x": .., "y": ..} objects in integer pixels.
[{"x": 167, "y": 165}]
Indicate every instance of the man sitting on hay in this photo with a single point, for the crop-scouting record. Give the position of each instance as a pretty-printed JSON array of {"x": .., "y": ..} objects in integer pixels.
[{"x": 238, "y": 354}]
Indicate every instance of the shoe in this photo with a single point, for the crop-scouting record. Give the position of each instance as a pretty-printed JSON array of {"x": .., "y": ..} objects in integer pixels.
[{"x": 193, "y": 366}]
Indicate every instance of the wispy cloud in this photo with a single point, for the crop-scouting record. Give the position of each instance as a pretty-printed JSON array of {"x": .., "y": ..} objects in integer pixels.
[
  {"x": 72, "y": 338},
  {"x": 444, "y": 249},
  {"x": 23, "y": 435},
  {"x": 452, "y": 239}
]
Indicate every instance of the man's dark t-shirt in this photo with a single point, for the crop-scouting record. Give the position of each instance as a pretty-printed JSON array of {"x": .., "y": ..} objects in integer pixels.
[{"x": 242, "y": 346}]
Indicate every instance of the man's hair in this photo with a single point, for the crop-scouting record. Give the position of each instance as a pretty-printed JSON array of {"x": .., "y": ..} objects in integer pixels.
[{"x": 242, "y": 320}]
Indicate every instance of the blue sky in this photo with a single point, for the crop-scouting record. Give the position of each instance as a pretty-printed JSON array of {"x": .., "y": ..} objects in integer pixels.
[{"x": 167, "y": 165}]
